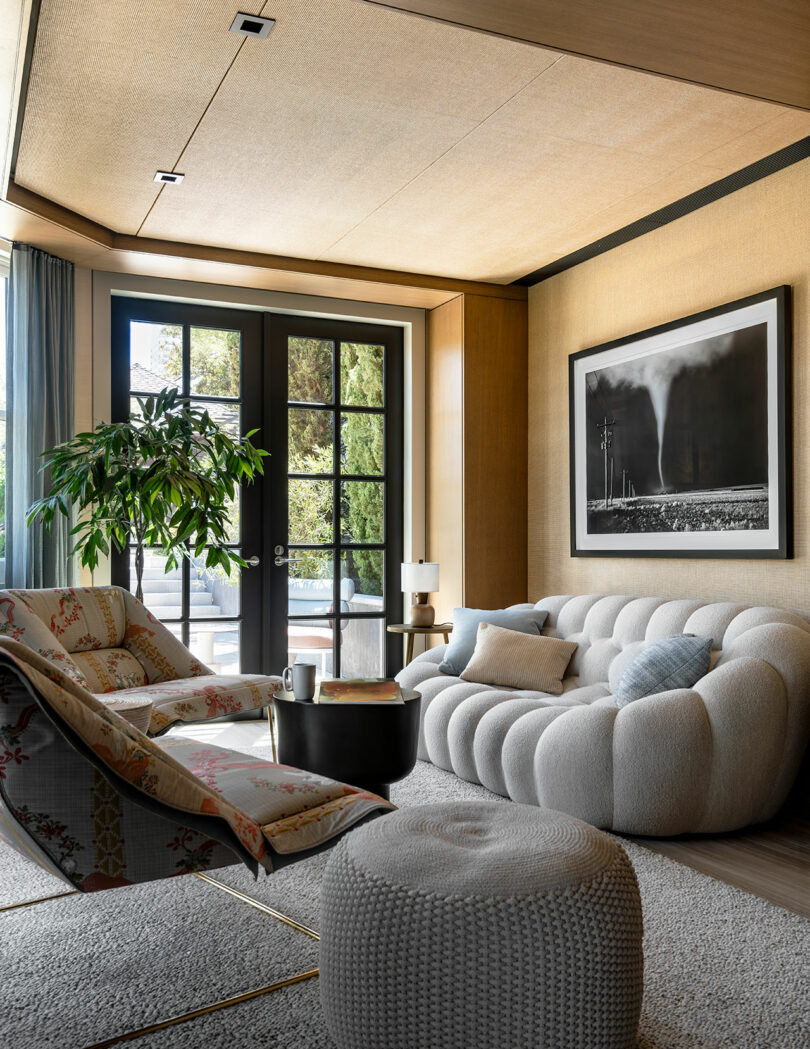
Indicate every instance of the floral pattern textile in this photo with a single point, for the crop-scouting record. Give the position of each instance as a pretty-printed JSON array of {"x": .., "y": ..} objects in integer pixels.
[
  {"x": 107, "y": 641},
  {"x": 110, "y": 670},
  {"x": 199, "y": 698},
  {"x": 290, "y": 805},
  {"x": 182, "y": 775}
]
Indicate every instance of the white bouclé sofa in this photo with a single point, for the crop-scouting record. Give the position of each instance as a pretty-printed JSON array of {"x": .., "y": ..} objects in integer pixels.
[{"x": 716, "y": 757}]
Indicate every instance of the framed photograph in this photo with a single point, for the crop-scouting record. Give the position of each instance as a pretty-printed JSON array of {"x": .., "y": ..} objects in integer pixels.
[{"x": 680, "y": 437}]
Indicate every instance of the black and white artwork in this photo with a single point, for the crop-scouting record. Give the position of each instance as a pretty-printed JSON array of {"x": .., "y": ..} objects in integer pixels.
[{"x": 679, "y": 437}]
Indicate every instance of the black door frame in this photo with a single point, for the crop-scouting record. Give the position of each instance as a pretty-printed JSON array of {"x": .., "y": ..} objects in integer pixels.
[
  {"x": 264, "y": 517},
  {"x": 278, "y": 327},
  {"x": 249, "y": 324}
]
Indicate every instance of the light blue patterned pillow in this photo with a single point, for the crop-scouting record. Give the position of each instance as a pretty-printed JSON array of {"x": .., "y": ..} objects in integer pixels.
[
  {"x": 465, "y": 631},
  {"x": 672, "y": 662}
]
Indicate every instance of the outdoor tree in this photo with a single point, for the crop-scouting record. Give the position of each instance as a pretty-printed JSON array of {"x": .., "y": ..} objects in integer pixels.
[{"x": 364, "y": 450}]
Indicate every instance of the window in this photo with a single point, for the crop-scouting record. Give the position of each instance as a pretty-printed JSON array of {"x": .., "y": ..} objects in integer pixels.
[{"x": 4, "y": 261}]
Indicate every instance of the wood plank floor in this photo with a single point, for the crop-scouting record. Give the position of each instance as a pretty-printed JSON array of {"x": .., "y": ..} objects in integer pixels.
[{"x": 772, "y": 861}]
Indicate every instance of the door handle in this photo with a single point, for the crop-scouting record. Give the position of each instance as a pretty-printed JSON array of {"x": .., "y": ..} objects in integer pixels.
[
  {"x": 279, "y": 561},
  {"x": 254, "y": 561}
]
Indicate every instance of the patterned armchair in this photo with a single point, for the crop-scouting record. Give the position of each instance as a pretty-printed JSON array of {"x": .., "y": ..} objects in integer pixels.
[
  {"x": 99, "y": 804},
  {"x": 107, "y": 642}
]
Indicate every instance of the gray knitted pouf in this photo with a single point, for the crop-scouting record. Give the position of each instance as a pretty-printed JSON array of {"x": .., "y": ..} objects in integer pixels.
[{"x": 480, "y": 925}]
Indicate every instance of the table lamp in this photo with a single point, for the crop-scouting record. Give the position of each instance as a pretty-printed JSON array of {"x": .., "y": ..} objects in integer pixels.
[{"x": 420, "y": 578}]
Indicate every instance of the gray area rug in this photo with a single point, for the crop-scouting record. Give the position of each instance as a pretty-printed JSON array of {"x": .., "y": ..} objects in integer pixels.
[{"x": 723, "y": 969}]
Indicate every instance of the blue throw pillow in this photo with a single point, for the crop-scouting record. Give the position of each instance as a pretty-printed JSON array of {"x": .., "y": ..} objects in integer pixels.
[
  {"x": 672, "y": 662},
  {"x": 465, "y": 631}
]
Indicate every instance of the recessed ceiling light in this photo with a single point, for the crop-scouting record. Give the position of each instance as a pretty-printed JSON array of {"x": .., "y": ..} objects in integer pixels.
[
  {"x": 170, "y": 178},
  {"x": 252, "y": 25}
]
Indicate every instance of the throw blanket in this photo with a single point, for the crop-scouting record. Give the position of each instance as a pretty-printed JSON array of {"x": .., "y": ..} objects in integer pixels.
[{"x": 263, "y": 803}]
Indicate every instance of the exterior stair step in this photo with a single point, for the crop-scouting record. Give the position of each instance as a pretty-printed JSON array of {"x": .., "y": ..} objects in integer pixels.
[
  {"x": 172, "y": 597},
  {"x": 163, "y": 586},
  {"x": 176, "y": 611},
  {"x": 156, "y": 572}
]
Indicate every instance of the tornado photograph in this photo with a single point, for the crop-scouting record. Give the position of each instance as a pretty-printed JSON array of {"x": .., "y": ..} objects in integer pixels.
[{"x": 677, "y": 440}]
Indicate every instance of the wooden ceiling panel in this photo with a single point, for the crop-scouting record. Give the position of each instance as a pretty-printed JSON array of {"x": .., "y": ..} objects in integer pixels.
[{"x": 114, "y": 94}]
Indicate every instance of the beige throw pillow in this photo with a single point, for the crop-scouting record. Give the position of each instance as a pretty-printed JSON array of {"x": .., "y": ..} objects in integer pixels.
[{"x": 516, "y": 660}]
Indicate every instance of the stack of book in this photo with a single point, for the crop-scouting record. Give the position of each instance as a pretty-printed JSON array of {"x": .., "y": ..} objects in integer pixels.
[{"x": 360, "y": 690}]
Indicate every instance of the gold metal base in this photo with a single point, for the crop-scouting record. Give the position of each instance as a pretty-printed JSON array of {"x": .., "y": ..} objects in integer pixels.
[
  {"x": 269, "y": 911},
  {"x": 271, "y": 723},
  {"x": 235, "y": 999},
  {"x": 41, "y": 899},
  {"x": 226, "y": 1003}
]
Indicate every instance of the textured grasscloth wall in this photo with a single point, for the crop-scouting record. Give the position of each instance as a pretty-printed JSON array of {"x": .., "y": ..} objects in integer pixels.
[{"x": 752, "y": 240}]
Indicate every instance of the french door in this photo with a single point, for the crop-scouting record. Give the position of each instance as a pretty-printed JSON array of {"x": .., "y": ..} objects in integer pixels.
[
  {"x": 323, "y": 529},
  {"x": 334, "y": 489}
]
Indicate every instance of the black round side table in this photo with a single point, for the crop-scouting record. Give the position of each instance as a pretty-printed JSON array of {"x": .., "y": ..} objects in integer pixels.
[{"x": 368, "y": 745}]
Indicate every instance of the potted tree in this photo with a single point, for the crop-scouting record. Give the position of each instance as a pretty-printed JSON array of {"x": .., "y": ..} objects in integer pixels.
[{"x": 163, "y": 479}]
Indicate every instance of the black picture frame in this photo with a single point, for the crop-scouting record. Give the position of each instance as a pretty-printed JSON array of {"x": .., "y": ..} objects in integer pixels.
[{"x": 680, "y": 437}]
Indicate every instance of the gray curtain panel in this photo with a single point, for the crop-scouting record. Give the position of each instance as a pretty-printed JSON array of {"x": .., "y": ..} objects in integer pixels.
[{"x": 39, "y": 412}]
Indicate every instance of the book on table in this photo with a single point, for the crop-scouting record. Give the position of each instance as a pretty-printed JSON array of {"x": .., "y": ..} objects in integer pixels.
[{"x": 360, "y": 690}]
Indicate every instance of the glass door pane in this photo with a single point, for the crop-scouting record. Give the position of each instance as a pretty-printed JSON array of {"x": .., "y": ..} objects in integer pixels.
[
  {"x": 213, "y": 358},
  {"x": 341, "y": 484}
]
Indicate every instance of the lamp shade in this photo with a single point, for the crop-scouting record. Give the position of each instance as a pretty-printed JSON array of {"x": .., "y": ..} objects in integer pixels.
[{"x": 420, "y": 577}]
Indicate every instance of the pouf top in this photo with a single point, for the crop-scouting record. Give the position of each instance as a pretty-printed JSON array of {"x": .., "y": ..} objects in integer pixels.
[{"x": 481, "y": 848}]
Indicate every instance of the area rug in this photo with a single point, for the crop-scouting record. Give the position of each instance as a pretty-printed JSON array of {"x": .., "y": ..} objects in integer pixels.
[{"x": 723, "y": 969}]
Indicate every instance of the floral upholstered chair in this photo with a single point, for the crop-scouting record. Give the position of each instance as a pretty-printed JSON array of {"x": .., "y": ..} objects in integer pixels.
[
  {"x": 107, "y": 642},
  {"x": 99, "y": 804}
]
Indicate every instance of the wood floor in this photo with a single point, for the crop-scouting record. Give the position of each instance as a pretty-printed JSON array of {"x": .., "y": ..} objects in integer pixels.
[{"x": 772, "y": 861}]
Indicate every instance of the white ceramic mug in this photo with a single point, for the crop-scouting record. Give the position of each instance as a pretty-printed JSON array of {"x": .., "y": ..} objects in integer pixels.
[{"x": 300, "y": 680}]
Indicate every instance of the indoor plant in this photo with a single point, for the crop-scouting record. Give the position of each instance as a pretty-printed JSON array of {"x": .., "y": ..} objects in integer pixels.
[{"x": 162, "y": 479}]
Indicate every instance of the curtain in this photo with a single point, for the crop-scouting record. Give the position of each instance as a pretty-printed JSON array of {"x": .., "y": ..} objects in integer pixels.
[{"x": 39, "y": 410}]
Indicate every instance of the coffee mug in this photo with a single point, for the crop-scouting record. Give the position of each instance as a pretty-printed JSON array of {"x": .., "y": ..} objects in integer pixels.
[{"x": 300, "y": 680}]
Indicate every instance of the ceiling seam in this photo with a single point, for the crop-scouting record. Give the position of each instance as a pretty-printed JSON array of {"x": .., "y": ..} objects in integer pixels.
[
  {"x": 436, "y": 160},
  {"x": 202, "y": 117}
]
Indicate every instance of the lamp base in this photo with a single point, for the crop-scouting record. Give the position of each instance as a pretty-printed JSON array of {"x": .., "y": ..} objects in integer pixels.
[{"x": 422, "y": 614}]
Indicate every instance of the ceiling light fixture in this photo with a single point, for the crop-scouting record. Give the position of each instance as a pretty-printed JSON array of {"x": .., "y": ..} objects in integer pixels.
[
  {"x": 252, "y": 25},
  {"x": 169, "y": 178}
]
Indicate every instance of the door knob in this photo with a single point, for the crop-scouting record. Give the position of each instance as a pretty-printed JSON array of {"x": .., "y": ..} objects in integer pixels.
[{"x": 254, "y": 561}]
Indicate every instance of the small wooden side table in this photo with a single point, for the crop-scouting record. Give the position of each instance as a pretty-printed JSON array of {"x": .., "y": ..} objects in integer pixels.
[{"x": 409, "y": 631}]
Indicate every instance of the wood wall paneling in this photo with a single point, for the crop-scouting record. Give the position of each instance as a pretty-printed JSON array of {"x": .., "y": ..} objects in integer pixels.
[
  {"x": 445, "y": 453},
  {"x": 477, "y": 451},
  {"x": 758, "y": 49},
  {"x": 495, "y": 451}
]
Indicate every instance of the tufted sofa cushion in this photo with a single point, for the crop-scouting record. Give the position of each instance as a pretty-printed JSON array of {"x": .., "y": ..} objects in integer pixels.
[{"x": 712, "y": 758}]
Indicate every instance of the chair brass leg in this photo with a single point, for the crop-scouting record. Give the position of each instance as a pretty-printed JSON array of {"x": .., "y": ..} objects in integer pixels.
[
  {"x": 41, "y": 899},
  {"x": 236, "y": 999},
  {"x": 269, "y": 911},
  {"x": 225, "y": 1003},
  {"x": 271, "y": 721}
]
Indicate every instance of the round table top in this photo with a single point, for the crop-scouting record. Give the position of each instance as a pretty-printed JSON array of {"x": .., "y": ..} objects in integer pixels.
[
  {"x": 407, "y": 628},
  {"x": 407, "y": 694}
]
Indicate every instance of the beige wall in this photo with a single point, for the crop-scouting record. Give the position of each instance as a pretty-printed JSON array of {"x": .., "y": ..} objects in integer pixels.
[{"x": 752, "y": 240}]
